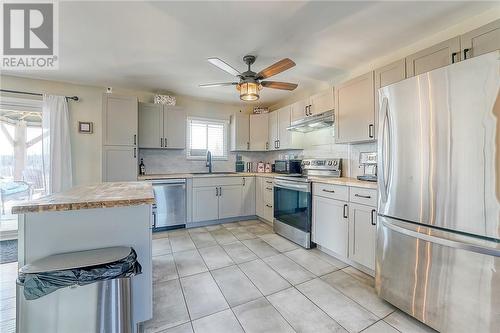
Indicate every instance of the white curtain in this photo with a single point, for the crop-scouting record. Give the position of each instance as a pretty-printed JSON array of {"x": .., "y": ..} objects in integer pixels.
[{"x": 56, "y": 144}]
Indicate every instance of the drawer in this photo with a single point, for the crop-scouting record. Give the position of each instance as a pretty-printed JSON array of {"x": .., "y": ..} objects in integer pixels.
[
  {"x": 363, "y": 196},
  {"x": 268, "y": 194},
  {"x": 217, "y": 181},
  {"x": 338, "y": 192}
]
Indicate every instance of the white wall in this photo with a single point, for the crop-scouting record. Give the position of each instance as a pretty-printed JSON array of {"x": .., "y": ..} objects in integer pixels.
[{"x": 86, "y": 148}]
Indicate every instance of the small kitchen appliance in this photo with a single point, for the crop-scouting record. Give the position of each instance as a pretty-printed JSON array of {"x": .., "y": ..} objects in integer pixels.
[
  {"x": 293, "y": 199},
  {"x": 368, "y": 161},
  {"x": 288, "y": 166}
]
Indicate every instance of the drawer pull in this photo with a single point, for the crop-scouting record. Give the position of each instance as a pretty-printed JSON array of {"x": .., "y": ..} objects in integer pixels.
[
  {"x": 363, "y": 196},
  {"x": 328, "y": 191},
  {"x": 267, "y": 181},
  {"x": 269, "y": 206},
  {"x": 373, "y": 218},
  {"x": 269, "y": 188}
]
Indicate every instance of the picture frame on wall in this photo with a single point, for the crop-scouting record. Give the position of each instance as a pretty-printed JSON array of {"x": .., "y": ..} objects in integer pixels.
[{"x": 85, "y": 127}]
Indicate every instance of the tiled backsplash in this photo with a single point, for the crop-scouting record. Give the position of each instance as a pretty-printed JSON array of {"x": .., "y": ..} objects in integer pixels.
[{"x": 318, "y": 144}]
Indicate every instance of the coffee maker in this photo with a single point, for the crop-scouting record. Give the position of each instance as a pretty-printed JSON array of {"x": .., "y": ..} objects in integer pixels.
[{"x": 368, "y": 161}]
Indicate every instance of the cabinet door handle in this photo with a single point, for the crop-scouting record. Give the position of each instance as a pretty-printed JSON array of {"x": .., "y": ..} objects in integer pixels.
[
  {"x": 362, "y": 196},
  {"x": 279, "y": 143},
  {"x": 370, "y": 130},
  {"x": 161, "y": 142},
  {"x": 216, "y": 191},
  {"x": 135, "y": 152},
  {"x": 345, "y": 211},
  {"x": 267, "y": 205},
  {"x": 269, "y": 188},
  {"x": 466, "y": 51},
  {"x": 373, "y": 219},
  {"x": 453, "y": 56},
  {"x": 328, "y": 191},
  {"x": 154, "y": 216},
  {"x": 166, "y": 142},
  {"x": 135, "y": 139},
  {"x": 248, "y": 145},
  {"x": 243, "y": 181},
  {"x": 305, "y": 110},
  {"x": 267, "y": 181},
  {"x": 267, "y": 145},
  {"x": 220, "y": 191}
]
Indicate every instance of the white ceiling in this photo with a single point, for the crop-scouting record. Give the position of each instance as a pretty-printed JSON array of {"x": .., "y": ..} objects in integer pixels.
[{"x": 163, "y": 46}]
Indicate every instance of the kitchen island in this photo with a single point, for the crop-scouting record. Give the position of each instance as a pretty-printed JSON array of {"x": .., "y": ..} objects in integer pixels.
[{"x": 91, "y": 217}]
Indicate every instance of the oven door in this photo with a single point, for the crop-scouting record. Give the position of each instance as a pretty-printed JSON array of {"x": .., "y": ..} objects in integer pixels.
[{"x": 292, "y": 204}]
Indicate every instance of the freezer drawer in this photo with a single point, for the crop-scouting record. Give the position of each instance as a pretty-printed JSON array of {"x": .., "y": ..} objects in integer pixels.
[{"x": 448, "y": 281}]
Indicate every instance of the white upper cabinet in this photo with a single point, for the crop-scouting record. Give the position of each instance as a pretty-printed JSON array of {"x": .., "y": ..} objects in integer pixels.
[
  {"x": 318, "y": 103},
  {"x": 480, "y": 41},
  {"x": 300, "y": 109},
  {"x": 161, "y": 126},
  {"x": 387, "y": 75},
  {"x": 174, "y": 127},
  {"x": 322, "y": 102},
  {"x": 259, "y": 132},
  {"x": 284, "y": 135},
  {"x": 150, "y": 125},
  {"x": 273, "y": 130},
  {"x": 119, "y": 163},
  {"x": 279, "y": 136},
  {"x": 439, "y": 55},
  {"x": 119, "y": 120},
  {"x": 355, "y": 110},
  {"x": 240, "y": 132}
]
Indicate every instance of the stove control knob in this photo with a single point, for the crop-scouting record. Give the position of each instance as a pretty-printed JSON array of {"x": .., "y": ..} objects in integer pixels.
[
  {"x": 330, "y": 163},
  {"x": 307, "y": 162},
  {"x": 334, "y": 162}
]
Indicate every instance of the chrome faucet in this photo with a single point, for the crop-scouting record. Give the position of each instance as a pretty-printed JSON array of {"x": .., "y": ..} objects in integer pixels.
[{"x": 209, "y": 161}]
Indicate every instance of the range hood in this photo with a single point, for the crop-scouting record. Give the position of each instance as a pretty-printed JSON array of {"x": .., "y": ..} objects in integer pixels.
[{"x": 313, "y": 123}]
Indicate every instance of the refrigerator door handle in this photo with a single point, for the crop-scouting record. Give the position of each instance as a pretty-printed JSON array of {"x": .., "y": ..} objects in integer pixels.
[
  {"x": 447, "y": 238},
  {"x": 385, "y": 149}
]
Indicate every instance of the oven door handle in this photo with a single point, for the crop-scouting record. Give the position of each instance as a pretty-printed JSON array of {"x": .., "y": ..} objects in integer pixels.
[{"x": 292, "y": 186}]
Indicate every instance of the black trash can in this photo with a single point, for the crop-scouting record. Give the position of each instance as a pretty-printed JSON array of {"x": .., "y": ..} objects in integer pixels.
[{"x": 85, "y": 291}]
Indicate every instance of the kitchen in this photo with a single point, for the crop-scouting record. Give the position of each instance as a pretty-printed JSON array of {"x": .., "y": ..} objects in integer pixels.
[{"x": 330, "y": 199}]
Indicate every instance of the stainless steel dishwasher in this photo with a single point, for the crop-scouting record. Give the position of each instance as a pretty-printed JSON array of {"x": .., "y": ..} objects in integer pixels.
[{"x": 170, "y": 206}]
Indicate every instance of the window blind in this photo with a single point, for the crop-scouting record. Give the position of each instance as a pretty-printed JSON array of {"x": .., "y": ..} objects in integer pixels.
[{"x": 206, "y": 134}]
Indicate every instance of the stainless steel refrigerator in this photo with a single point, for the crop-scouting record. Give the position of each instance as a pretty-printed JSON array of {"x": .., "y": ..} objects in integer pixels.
[{"x": 438, "y": 247}]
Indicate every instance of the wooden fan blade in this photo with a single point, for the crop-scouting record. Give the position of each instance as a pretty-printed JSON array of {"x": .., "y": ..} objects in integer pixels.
[
  {"x": 210, "y": 85},
  {"x": 224, "y": 66},
  {"x": 276, "y": 68},
  {"x": 279, "y": 85}
]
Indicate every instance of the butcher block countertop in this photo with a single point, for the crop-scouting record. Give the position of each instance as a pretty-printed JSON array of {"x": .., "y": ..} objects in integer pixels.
[{"x": 104, "y": 195}]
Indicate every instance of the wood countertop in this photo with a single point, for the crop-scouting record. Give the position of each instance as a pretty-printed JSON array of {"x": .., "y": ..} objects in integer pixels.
[{"x": 104, "y": 195}]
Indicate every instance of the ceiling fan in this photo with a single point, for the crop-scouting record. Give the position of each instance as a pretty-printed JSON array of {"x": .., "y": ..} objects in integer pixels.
[{"x": 250, "y": 82}]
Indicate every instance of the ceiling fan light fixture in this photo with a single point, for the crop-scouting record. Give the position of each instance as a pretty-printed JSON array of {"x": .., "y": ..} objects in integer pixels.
[{"x": 249, "y": 91}]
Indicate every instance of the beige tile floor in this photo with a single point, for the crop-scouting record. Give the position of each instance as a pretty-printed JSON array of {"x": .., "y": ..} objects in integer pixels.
[{"x": 241, "y": 277}]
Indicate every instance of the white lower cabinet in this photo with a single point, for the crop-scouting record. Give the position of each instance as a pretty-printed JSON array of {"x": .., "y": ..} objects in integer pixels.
[
  {"x": 248, "y": 200},
  {"x": 205, "y": 203},
  {"x": 346, "y": 228},
  {"x": 230, "y": 202},
  {"x": 215, "y": 198},
  {"x": 362, "y": 234},
  {"x": 264, "y": 198},
  {"x": 330, "y": 224}
]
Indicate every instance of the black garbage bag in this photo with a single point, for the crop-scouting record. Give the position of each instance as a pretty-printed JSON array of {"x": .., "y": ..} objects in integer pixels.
[{"x": 40, "y": 284}]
